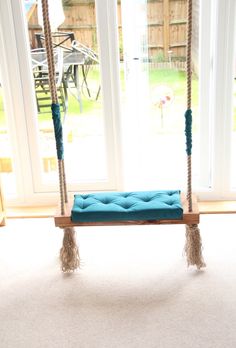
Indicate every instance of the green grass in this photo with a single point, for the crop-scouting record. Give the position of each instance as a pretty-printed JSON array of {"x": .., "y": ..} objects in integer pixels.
[
  {"x": 176, "y": 80},
  {"x": 173, "y": 78}
]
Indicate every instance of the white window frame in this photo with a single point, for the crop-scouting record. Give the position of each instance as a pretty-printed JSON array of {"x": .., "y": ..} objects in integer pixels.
[
  {"x": 216, "y": 93},
  {"x": 14, "y": 102},
  {"x": 24, "y": 126}
]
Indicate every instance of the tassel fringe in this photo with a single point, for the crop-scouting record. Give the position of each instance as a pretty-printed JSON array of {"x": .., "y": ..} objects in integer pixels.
[
  {"x": 69, "y": 253},
  {"x": 193, "y": 246},
  {"x": 70, "y": 259}
]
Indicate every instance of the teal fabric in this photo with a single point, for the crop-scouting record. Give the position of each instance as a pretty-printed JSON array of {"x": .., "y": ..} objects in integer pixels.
[
  {"x": 116, "y": 206},
  {"x": 188, "y": 131},
  {"x": 56, "y": 116}
]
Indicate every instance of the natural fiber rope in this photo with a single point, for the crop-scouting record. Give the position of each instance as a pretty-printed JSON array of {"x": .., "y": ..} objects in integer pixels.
[
  {"x": 193, "y": 246},
  {"x": 189, "y": 98},
  {"x": 189, "y": 56},
  {"x": 64, "y": 181},
  {"x": 53, "y": 91},
  {"x": 61, "y": 185},
  {"x": 49, "y": 51},
  {"x": 189, "y": 184}
]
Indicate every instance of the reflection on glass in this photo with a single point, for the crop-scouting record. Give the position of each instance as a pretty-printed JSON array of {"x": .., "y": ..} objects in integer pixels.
[
  {"x": 79, "y": 93},
  {"x": 8, "y": 178},
  {"x": 233, "y": 162},
  {"x": 154, "y": 43}
]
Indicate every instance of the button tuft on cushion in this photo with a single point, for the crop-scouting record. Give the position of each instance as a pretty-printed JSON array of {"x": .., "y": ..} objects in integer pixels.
[{"x": 114, "y": 206}]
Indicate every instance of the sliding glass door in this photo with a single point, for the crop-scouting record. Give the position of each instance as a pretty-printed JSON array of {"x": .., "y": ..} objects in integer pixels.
[
  {"x": 7, "y": 169},
  {"x": 86, "y": 96},
  {"x": 81, "y": 97},
  {"x": 123, "y": 103},
  {"x": 153, "y": 47},
  {"x": 154, "y": 100}
]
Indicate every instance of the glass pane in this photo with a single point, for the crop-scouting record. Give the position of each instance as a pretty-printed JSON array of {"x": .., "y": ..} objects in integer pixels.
[
  {"x": 233, "y": 162},
  {"x": 7, "y": 171},
  {"x": 79, "y": 90},
  {"x": 153, "y": 45}
]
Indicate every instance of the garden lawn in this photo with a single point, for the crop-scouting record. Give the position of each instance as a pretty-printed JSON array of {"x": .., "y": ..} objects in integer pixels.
[{"x": 173, "y": 78}]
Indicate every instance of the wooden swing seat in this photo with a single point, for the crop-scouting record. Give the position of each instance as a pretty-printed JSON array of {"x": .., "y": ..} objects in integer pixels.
[{"x": 187, "y": 218}]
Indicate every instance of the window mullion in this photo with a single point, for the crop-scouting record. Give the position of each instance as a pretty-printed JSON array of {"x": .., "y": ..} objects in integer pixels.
[
  {"x": 15, "y": 104},
  {"x": 222, "y": 95},
  {"x": 106, "y": 12},
  {"x": 205, "y": 72}
]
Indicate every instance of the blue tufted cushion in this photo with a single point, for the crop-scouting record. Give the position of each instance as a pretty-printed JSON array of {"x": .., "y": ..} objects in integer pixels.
[{"x": 114, "y": 206}]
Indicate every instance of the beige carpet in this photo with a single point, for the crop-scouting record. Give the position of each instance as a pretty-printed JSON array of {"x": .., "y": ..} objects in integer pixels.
[{"x": 134, "y": 290}]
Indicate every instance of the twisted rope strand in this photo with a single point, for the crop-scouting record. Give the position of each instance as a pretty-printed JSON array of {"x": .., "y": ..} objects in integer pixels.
[
  {"x": 189, "y": 56},
  {"x": 53, "y": 91},
  {"x": 189, "y": 98},
  {"x": 61, "y": 185},
  {"x": 49, "y": 52},
  {"x": 64, "y": 181},
  {"x": 189, "y": 183}
]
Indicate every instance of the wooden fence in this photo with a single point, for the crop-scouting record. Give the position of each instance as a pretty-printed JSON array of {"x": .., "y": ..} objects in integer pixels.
[{"x": 166, "y": 26}]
